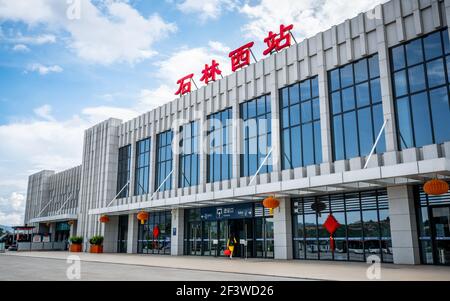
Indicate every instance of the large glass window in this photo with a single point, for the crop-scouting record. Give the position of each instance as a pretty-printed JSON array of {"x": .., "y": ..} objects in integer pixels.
[
  {"x": 189, "y": 156},
  {"x": 257, "y": 129},
  {"x": 300, "y": 125},
  {"x": 219, "y": 137},
  {"x": 141, "y": 181},
  {"x": 434, "y": 227},
  {"x": 420, "y": 72},
  {"x": 155, "y": 234},
  {"x": 123, "y": 173},
  {"x": 164, "y": 161},
  {"x": 364, "y": 230},
  {"x": 357, "y": 112}
]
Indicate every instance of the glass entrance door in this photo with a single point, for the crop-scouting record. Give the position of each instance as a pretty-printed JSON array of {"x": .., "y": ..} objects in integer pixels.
[
  {"x": 441, "y": 230},
  {"x": 210, "y": 241},
  {"x": 195, "y": 239},
  {"x": 264, "y": 238},
  {"x": 123, "y": 234}
]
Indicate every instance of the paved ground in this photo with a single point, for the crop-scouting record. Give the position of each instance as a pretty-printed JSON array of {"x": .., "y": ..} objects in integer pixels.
[
  {"x": 206, "y": 268},
  {"x": 15, "y": 268}
]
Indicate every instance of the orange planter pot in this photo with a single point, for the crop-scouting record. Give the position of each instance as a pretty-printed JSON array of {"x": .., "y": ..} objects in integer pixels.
[
  {"x": 96, "y": 249},
  {"x": 75, "y": 248}
]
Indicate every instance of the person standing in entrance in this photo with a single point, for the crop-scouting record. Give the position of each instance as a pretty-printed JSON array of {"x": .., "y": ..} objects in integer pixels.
[{"x": 230, "y": 244}]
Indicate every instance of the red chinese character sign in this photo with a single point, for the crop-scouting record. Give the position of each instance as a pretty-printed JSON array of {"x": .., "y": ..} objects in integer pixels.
[
  {"x": 210, "y": 72},
  {"x": 277, "y": 42},
  {"x": 241, "y": 57},
  {"x": 331, "y": 224},
  {"x": 185, "y": 85}
]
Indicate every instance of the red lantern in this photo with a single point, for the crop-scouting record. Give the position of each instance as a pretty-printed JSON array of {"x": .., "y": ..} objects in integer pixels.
[
  {"x": 71, "y": 222},
  {"x": 271, "y": 203},
  {"x": 104, "y": 219},
  {"x": 331, "y": 224},
  {"x": 435, "y": 187},
  {"x": 143, "y": 217}
]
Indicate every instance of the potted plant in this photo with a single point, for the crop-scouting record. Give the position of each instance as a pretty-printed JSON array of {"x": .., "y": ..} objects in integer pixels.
[
  {"x": 76, "y": 244},
  {"x": 96, "y": 244}
]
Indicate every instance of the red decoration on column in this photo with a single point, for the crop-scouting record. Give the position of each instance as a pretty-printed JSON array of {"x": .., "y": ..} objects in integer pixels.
[
  {"x": 331, "y": 224},
  {"x": 185, "y": 85},
  {"x": 240, "y": 57},
  {"x": 277, "y": 42},
  {"x": 210, "y": 72}
]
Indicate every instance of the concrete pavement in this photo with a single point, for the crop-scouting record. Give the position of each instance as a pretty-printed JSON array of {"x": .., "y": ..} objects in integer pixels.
[{"x": 314, "y": 270}]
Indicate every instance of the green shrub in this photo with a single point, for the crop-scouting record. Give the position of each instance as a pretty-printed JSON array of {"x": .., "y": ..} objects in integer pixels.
[
  {"x": 76, "y": 240},
  {"x": 96, "y": 240}
]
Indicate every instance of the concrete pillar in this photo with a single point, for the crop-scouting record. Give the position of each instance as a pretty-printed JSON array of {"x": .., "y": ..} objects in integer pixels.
[
  {"x": 153, "y": 145},
  {"x": 405, "y": 241},
  {"x": 325, "y": 123},
  {"x": 177, "y": 239},
  {"x": 203, "y": 147},
  {"x": 237, "y": 140},
  {"x": 73, "y": 229},
  {"x": 111, "y": 234},
  {"x": 282, "y": 226},
  {"x": 276, "y": 134},
  {"x": 131, "y": 191},
  {"x": 133, "y": 232},
  {"x": 390, "y": 132}
]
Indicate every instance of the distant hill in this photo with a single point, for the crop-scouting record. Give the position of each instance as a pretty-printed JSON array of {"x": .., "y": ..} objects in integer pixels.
[{"x": 6, "y": 228}]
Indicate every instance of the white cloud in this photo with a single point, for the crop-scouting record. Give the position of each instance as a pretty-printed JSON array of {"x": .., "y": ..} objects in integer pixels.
[
  {"x": 210, "y": 9},
  {"x": 44, "y": 112},
  {"x": 219, "y": 47},
  {"x": 308, "y": 16},
  {"x": 21, "y": 48},
  {"x": 96, "y": 114},
  {"x": 190, "y": 60},
  {"x": 12, "y": 209},
  {"x": 34, "y": 40},
  {"x": 44, "y": 70},
  {"x": 112, "y": 31},
  {"x": 150, "y": 99}
]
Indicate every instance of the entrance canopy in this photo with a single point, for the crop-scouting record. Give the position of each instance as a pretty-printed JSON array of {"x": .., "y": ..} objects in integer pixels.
[
  {"x": 339, "y": 182},
  {"x": 55, "y": 218}
]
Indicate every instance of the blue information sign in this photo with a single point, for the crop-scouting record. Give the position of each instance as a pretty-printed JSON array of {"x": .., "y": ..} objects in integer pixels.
[{"x": 227, "y": 212}]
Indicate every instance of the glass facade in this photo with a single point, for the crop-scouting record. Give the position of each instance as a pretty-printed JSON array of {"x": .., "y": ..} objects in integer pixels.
[
  {"x": 154, "y": 236},
  {"x": 434, "y": 227},
  {"x": 257, "y": 134},
  {"x": 356, "y": 109},
  {"x": 301, "y": 143},
  {"x": 219, "y": 141},
  {"x": 420, "y": 72},
  {"x": 207, "y": 230},
  {"x": 364, "y": 231},
  {"x": 142, "y": 173},
  {"x": 123, "y": 173},
  {"x": 164, "y": 161},
  {"x": 190, "y": 155}
]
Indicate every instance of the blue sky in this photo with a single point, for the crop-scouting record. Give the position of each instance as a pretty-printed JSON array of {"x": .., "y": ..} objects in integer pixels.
[{"x": 61, "y": 73}]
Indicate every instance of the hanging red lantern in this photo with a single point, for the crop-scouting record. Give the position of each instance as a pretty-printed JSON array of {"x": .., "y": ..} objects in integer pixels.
[
  {"x": 331, "y": 225},
  {"x": 104, "y": 219},
  {"x": 71, "y": 222},
  {"x": 271, "y": 203},
  {"x": 143, "y": 217},
  {"x": 435, "y": 187}
]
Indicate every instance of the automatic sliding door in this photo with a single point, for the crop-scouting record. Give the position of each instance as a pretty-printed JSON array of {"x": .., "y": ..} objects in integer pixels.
[
  {"x": 441, "y": 229},
  {"x": 209, "y": 237}
]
